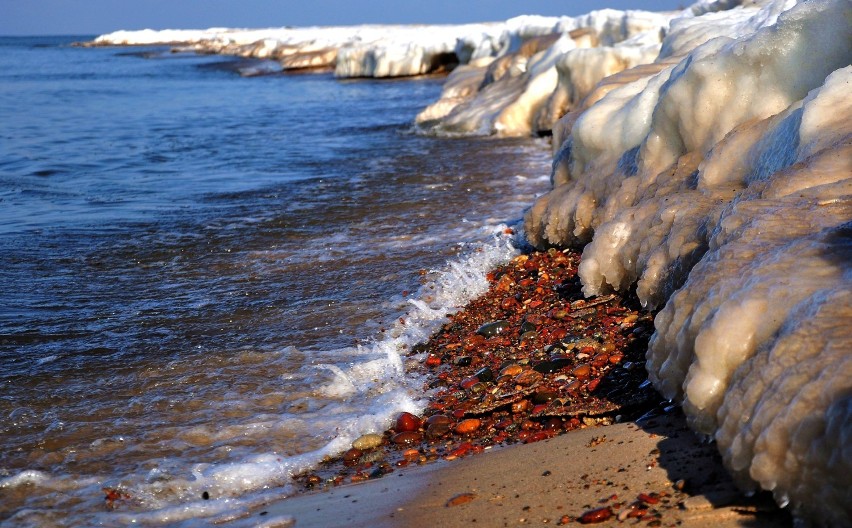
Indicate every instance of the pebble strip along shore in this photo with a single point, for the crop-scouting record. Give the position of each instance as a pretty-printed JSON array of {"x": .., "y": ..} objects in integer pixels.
[{"x": 528, "y": 360}]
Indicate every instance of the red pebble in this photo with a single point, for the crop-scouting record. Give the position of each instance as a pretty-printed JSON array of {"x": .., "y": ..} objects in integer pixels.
[
  {"x": 537, "y": 437},
  {"x": 581, "y": 371},
  {"x": 596, "y": 516},
  {"x": 468, "y": 426},
  {"x": 648, "y": 499},
  {"x": 502, "y": 424},
  {"x": 468, "y": 382},
  {"x": 458, "y": 414},
  {"x": 406, "y": 438},
  {"x": 407, "y": 422},
  {"x": 462, "y": 498},
  {"x": 592, "y": 385},
  {"x": 600, "y": 360},
  {"x": 508, "y": 303},
  {"x": 433, "y": 361},
  {"x": 438, "y": 418},
  {"x": 473, "y": 342},
  {"x": 461, "y": 450},
  {"x": 553, "y": 424}
]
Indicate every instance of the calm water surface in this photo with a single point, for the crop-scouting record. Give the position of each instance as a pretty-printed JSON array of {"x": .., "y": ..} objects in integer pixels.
[{"x": 202, "y": 274}]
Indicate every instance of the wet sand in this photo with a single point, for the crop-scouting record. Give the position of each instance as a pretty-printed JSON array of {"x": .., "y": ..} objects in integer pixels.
[{"x": 550, "y": 482}]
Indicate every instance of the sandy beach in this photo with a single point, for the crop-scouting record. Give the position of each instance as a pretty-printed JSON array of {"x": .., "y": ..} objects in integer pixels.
[{"x": 551, "y": 482}]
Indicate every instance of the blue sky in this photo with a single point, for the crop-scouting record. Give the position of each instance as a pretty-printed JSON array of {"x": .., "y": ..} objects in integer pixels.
[{"x": 84, "y": 17}]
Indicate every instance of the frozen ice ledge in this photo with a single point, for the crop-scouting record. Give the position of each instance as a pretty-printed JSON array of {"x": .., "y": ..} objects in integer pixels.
[
  {"x": 703, "y": 160},
  {"x": 715, "y": 182}
]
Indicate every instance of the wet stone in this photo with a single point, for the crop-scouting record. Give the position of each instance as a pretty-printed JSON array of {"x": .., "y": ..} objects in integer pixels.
[
  {"x": 544, "y": 397},
  {"x": 407, "y": 422},
  {"x": 581, "y": 371},
  {"x": 462, "y": 361},
  {"x": 527, "y": 378},
  {"x": 529, "y": 336},
  {"x": 406, "y": 438},
  {"x": 468, "y": 426},
  {"x": 512, "y": 370},
  {"x": 526, "y": 327},
  {"x": 493, "y": 328},
  {"x": 596, "y": 516},
  {"x": 545, "y": 367},
  {"x": 352, "y": 456},
  {"x": 468, "y": 383},
  {"x": 437, "y": 430},
  {"x": 438, "y": 419},
  {"x": 485, "y": 375},
  {"x": 367, "y": 441},
  {"x": 478, "y": 388}
]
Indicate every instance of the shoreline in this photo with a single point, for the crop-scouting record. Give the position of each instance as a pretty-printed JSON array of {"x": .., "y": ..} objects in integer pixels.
[{"x": 635, "y": 463}]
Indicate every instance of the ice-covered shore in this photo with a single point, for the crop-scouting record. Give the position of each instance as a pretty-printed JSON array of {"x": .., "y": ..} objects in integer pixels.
[
  {"x": 702, "y": 159},
  {"x": 717, "y": 183}
]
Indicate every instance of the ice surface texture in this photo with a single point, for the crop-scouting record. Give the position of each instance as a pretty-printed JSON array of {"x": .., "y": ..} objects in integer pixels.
[{"x": 717, "y": 182}]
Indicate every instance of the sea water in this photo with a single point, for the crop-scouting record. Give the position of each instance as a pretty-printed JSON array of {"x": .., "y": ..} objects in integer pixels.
[{"x": 211, "y": 279}]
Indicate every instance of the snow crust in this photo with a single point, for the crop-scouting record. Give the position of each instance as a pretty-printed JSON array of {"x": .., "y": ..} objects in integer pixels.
[{"x": 717, "y": 183}]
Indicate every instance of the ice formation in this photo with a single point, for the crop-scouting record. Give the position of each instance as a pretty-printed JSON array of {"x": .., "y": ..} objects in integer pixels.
[
  {"x": 717, "y": 182},
  {"x": 528, "y": 86},
  {"x": 352, "y": 51}
]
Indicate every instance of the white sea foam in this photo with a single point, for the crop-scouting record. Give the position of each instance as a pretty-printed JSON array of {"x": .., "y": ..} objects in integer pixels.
[{"x": 361, "y": 389}]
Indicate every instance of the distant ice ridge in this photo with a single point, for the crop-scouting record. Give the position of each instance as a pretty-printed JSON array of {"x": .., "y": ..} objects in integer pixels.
[{"x": 717, "y": 182}]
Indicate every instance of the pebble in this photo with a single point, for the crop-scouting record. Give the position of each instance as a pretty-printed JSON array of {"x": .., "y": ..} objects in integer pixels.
[
  {"x": 527, "y": 326},
  {"x": 596, "y": 516},
  {"x": 468, "y": 426},
  {"x": 462, "y": 361},
  {"x": 512, "y": 370},
  {"x": 527, "y": 378},
  {"x": 544, "y": 396},
  {"x": 437, "y": 430},
  {"x": 600, "y": 360},
  {"x": 529, "y": 336},
  {"x": 438, "y": 418},
  {"x": 432, "y": 361},
  {"x": 581, "y": 371},
  {"x": 406, "y": 438},
  {"x": 485, "y": 375},
  {"x": 493, "y": 328},
  {"x": 545, "y": 367},
  {"x": 407, "y": 422},
  {"x": 461, "y": 498},
  {"x": 352, "y": 456},
  {"x": 367, "y": 441},
  {"x": 467, "y": 383}
]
